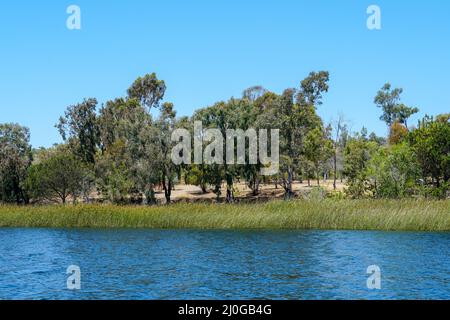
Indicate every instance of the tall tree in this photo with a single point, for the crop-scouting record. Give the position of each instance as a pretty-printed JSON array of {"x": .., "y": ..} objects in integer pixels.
[
  {"x": 388, "y": 100},
  {"x": 431, "y": 144},
  {"x": 254, "y": 93},
  {"x": 403, "y": 113},
  {"x": 148, "y": 90},
  {"x": 15, "y": 158},
  {"x": 165, "y": 125},
  {"x": 340, "y": 136},
  {"x": 222, "y": 116},
  {"x": 79, "y": 127},
  {"x": 358, "y": 152},
  {"x": 294, "y": 113},
  {"x": 318, "y": 149},
  {"x": 127, "y": 165}
]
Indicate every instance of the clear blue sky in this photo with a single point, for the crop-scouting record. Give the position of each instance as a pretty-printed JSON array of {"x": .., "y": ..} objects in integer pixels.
[{"x": 211, "y": 50}]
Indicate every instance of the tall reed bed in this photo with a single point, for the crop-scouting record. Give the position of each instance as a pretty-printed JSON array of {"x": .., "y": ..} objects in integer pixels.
[{"x": 400, "y": 215}]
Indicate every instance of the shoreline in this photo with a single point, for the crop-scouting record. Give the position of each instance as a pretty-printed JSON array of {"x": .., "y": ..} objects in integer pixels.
[{"x": 374, "y": 215}]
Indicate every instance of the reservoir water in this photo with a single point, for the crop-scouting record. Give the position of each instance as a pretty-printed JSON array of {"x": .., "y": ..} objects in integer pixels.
[{"x": 193, "y": 264}]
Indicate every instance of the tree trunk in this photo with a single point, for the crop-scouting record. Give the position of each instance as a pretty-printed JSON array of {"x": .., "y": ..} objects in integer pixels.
[
  {"x": 335, "y": 168},
  {"x": 288, "y": 189},
  {"x": 168, "y": 191},
  {"x": 150, "y": 196},
  {"x": 167, "y": 186},
  {"x": 217, "y": 192}
]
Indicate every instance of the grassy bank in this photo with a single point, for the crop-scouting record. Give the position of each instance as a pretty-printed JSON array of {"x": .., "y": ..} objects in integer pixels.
[{"x": 328, "y": 214}]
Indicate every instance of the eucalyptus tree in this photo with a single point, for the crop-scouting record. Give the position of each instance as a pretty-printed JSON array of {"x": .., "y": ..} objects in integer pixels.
[
  {"x": 294, "y": 114},
  {"x": 245, "y": 115},
  {"x": 58, "y": 176},
  {"x": 126, "y": 165},
  {"x": 404, "y": 113},
  {"x": 254, "y": 93},
  {"x": 431, "y": 144},
  {"x": 296, "y": 110},
  {"x": 130, "y": 162},
  {"x": 149, "y": 90},
  {"x": 358, "y": 152},
  {"x": 165, "y": 125},
  {"x": 79, "y": 128},
  {"x": 340, "y": 136},
  {"x": 318, "y": 149},
  {"x": 388, "y": 100},
  {"x": 15, "y": 159},
  {"x": 219, "y": 116}
]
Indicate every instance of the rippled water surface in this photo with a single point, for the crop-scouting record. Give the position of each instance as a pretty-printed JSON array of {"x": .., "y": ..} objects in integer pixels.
[{"x": 187, "y": 264}]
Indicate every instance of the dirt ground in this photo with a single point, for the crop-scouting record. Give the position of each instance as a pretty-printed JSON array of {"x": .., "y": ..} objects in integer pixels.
[{"x": 191, "y": 193}]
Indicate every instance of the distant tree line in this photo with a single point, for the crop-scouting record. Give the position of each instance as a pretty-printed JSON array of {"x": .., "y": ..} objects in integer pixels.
[{"x": 123, "y": 153}]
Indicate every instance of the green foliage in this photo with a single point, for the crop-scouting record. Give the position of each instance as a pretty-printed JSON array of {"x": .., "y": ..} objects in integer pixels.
[
  {"x": 431, "y": 145},
  {"x": 58, "y": 177},
  {"x": 294, "y": 113},
  {"x": 357, "y": 154},
  {"x": 318, "y": 149},
  {"x": 199, "y": 175},
  {"x": 124, "y": 153},
  {"x": 79, "y": 127},
  {"x": 389, "y": 101},
  {"x": 15, "y": 159},
  {"x": 165, "y": 125},
  {"x": 148, "y": 90},
  {"x": 113, "y": 173},
  {"x": 394, "y": 171}
]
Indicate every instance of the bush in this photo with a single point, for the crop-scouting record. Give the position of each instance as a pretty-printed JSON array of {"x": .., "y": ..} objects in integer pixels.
[
  {"x": 393, "y": 171},
  {"x": 58, "y": 177},
  {"x": 317, "y": 193}
]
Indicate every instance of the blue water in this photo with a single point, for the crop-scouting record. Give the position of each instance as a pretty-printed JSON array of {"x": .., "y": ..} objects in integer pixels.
[{"x": 187, "y": 264}]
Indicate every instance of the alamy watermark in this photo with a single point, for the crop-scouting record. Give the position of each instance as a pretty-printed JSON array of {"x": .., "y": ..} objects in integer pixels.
[
  {"x": 374, "y": 280},
  {"x": 374, "y": 19},
  {"x": 235, "y": 139},
  {"x": 73, "y": 22},
  {"x": 74, "y": 278}
]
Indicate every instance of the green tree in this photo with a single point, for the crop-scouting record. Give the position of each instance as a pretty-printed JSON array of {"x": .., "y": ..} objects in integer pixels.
[
  {"x": 165, "y": 125},
  {"x": 112, "y": 170},
  {"x": 59, "y": 176},
  {"x": 389, "y": 101},
  {"x": 357, "y": 154},
  {"x": 294, "y": 113},
  {"x": 217, "y": 116},
  {"x": 339, "y": 142},
  {"x": 403, "y": 113},
  {"x": 15, "y": 158},
  {"x": 393, "y": 171},
  {"x": 318, "y": 150},
  {"x": 254, "y": 93},
  {"x": 197, "y": 175},
  {"x": 79, "y": 127},
  {"x": 431, "y": 145},
  {"x": 127, "y": 165},
  {"x": 148, "y": 90}
]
